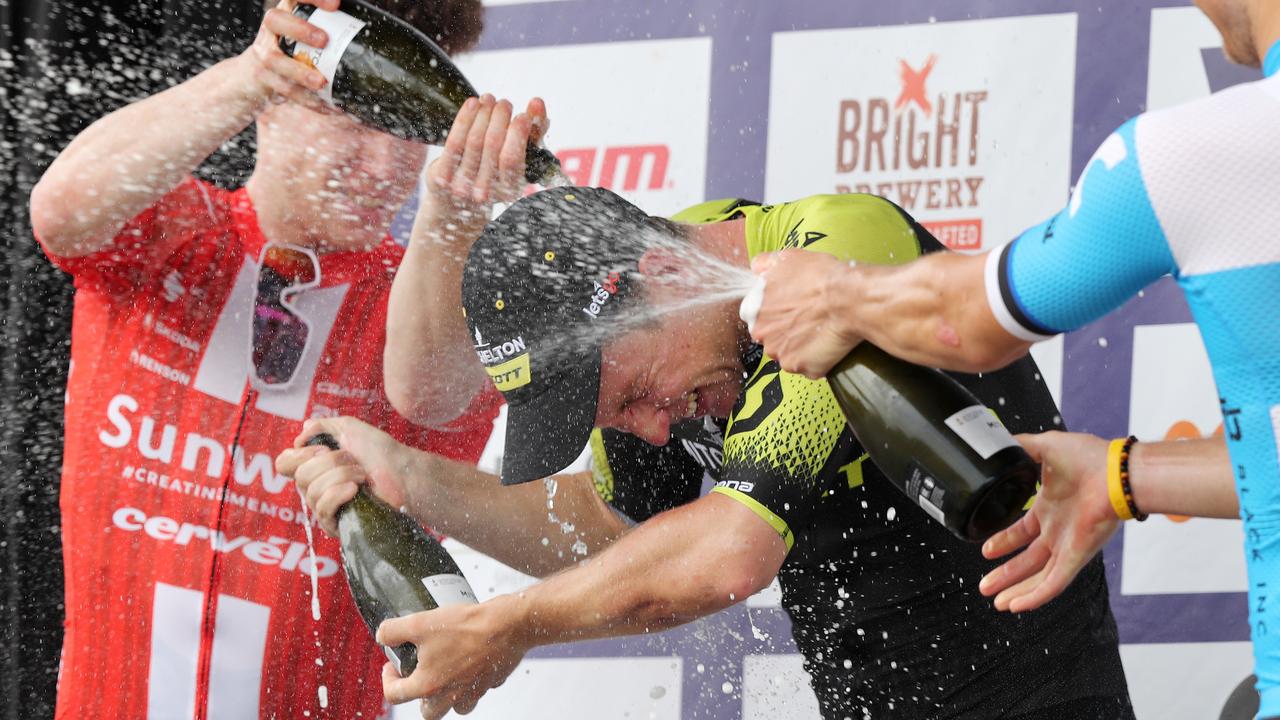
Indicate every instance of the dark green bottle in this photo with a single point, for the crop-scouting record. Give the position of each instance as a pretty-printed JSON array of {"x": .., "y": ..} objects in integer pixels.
[
  {"x": 934, "y": 440},
  {"x": 394, "y": 567},
  {"x": 394, "y": 78}
]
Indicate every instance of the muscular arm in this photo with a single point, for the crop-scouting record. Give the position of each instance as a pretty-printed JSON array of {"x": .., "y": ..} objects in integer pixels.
[
  {"x": 932, "y": 311},
  {"x": 683, "y": 564},
  {"x": 975, "y": 313},
  {"x": 523, "y": 525},
  {"x": 129, "y": 160},
  {"x": 680, "y": 565}
]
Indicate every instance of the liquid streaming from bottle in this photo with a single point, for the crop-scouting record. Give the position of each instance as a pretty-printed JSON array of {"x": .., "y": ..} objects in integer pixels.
[{"x": 311, "y": 552}]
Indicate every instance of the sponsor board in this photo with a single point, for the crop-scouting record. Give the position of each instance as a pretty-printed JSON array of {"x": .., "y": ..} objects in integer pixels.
[
  {"x": 555, "y": 688},
  {"x": 1184, "y": 680},
  {"x": 1186, "y": 60},
  {"x": 929, "y": 117},
  {"x": 629, "y": 116},
  {"x": 777, "y": 688}
]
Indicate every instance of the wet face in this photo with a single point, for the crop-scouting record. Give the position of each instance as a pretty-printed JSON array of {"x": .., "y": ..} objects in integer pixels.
[
  {"x": 1232, "y": 19},
  {"x": 348, "y": 181},
  {"x": 671, "y": 370}
]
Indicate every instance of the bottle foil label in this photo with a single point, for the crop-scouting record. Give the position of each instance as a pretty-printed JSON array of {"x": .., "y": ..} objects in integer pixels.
[
  {"x": 450, "y": 589},
  {"x": 341, "y": 29},
  {"x": 982, "y": 430},
  {"x": 927, "y": 493}
]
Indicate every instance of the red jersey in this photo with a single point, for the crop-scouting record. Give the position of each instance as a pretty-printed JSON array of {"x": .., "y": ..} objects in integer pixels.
[{"x": 183, "y": 601}]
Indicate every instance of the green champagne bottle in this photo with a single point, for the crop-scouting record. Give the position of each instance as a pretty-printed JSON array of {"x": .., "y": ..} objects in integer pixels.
[
  {"x": 383, "y": 71},
  {"x": 935, "y": 441},
  {"x": 394, "y": 567}
]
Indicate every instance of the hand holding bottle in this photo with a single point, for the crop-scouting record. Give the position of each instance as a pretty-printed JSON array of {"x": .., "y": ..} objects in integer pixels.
[
  {"x": 272, "y": 75},
  {"x": 465, "y": 650},
  {"x": 329, "y": 479},
  {"x": 799, "y": 318}
]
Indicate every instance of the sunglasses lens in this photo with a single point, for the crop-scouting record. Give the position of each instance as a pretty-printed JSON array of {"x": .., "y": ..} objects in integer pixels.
[
  {"x": 298, "y": 267},
  {"x": 279, "y": 335}
]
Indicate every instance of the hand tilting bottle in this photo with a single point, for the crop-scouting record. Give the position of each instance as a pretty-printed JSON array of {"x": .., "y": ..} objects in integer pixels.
[
  {"x": 383, "y": 71},
  {"x": 934, "y": 440},
  {"x": 394, "y": 567}
]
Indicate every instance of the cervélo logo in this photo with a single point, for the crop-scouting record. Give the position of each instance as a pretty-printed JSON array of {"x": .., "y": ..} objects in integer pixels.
[
  {"x": 624, "y": 168},
  {"x": 919, "y": 149}
]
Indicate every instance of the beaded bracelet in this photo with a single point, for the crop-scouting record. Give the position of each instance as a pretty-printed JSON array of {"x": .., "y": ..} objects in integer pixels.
[{"x": 1124, "y": 479}]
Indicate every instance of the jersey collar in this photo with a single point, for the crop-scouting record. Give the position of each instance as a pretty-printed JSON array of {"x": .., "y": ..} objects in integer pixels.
[{"x": 1271, "y": 63}]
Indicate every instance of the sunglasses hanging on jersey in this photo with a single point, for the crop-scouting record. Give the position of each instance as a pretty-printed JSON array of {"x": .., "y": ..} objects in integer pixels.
[{"x": 280, "y": 334}]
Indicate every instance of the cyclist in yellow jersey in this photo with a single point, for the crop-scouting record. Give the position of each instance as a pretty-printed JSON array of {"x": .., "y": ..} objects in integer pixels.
[{"x": 883, "y": 600}]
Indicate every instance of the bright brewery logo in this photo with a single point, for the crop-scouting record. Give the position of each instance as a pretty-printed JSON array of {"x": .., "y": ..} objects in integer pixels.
[
  {"x": 625, "y": 168},
  {"x": 918, "y": 150}
]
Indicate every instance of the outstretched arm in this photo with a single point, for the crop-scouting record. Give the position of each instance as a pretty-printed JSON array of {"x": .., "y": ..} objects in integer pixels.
[
  {"x": 975, "y": 313},
  {"x": 514, "y": 525},
  {"x": 931, "y": 311},
  {"x": 430, "y": 365},
  {"x": 132, "y": 158},
  {"x": 1073, "y": 518},
  {"x": 678, "y": 566}
]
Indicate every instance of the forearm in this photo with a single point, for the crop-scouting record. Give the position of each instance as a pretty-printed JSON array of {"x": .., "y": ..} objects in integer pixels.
[
  {"x": 1185, "y": 477},
  {"x": 537, "y": 528},
  {"x": 430, "y": 365},
  {"x": 932, "y": 311},
  {"x": 128, "y": 160},
  {"x": 681, "y": 565}
]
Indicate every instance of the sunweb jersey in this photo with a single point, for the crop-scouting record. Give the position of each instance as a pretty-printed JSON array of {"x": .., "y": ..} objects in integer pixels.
[
  {"x": 1188, "y": 191},
  {"x": 181, "y": 601},
  {"x": 883, "y": 600}
]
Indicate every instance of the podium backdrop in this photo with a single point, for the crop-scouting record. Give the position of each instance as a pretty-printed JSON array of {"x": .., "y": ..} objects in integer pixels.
[{"x": 977, "y": 117}]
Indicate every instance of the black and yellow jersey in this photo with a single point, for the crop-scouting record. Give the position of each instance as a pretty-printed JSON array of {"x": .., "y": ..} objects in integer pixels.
[{"x": 883, "y": 599}]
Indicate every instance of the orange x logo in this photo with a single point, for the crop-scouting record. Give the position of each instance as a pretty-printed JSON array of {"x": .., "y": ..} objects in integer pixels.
[{"x": 913, "y": 86}]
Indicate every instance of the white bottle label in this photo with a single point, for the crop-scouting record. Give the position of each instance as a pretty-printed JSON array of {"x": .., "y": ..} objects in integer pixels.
[
  {"x": 341, "y": 29},
  {"x": 979, "y": 427},
  {"x": 450, "y": 589}
]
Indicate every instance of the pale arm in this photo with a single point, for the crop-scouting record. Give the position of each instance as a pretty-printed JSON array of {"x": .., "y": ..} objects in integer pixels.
[
  {"x": 932, "y": 311},
  {"x": 429, "y": 361},
  {"x": 453, "y": 498},
  {"x": 130, "y": 159},
  {"x": 678, "y": 566},
  {"x": 1184, "y": 477},
  {"x": 1072, "y": 518}
]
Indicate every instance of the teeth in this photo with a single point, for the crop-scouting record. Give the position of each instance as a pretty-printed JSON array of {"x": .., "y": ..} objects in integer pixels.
[{"x": 693, "y": 405}]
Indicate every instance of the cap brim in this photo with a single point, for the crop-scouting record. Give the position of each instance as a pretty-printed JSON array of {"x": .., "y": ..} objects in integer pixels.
[{"x": 547, "y": 433}]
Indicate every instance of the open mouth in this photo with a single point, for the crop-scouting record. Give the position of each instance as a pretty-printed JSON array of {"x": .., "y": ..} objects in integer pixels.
[{"x": 691, "y": 409}]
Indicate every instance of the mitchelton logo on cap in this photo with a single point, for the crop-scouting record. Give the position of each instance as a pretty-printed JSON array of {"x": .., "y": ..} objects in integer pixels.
[{"x": 507, "y": 363}]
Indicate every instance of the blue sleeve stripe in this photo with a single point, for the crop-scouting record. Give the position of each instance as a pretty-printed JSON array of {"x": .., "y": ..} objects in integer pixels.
[
  {"x": 1011, "y": 300},
  {"x": 1095, "y": 254},
  {"x": 1001, "y": 301}
]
